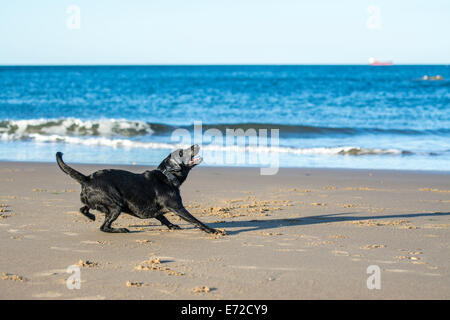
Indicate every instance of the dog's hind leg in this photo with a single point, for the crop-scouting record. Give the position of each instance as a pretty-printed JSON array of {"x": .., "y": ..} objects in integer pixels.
[
  {"x": 111, "y": 214},
  {"x": 167, "y": 223},
  {"x": 85, "y": 211}
]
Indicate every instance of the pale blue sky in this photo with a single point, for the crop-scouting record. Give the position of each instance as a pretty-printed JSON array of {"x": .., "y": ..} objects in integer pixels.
[{"x": 224, "y": 32}]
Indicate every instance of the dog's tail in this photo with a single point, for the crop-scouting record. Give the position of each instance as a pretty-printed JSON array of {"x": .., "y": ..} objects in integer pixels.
[{"x": 81, "y": 178}]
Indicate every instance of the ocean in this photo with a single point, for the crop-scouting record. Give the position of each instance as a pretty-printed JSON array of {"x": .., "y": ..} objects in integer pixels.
[{"x": 326, "y": 116}]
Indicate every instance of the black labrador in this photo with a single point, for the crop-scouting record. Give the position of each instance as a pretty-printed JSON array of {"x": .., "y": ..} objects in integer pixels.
[{"x": 147, "y": 195}]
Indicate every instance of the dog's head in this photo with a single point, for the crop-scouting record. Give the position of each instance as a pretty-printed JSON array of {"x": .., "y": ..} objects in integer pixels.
[{"x": 181, "y": 161}]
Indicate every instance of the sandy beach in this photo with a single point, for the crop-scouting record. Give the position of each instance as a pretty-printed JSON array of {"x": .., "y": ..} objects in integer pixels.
[{"x": 300, "y": 234}]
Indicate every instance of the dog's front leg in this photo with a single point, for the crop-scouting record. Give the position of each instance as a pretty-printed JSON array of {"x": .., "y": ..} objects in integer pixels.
[
  {"x": 167, "y": 223},
  {"x": 185, "y": 215}
]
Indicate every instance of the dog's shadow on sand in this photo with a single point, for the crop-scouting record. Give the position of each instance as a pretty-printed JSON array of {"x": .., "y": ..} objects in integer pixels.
[{"x": 255, "y": 225}]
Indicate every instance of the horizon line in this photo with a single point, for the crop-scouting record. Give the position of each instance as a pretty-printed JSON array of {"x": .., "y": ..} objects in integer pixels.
[{"x": 213, "y": 64}]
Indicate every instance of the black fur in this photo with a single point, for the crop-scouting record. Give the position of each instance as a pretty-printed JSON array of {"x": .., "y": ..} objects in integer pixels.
[{"x": 147, "y": 195}]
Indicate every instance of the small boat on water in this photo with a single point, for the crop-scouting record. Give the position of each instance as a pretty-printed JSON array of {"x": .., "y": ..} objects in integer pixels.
[
  {"x": 432, "y": 78},
  {"x": 376, "y": 62}
]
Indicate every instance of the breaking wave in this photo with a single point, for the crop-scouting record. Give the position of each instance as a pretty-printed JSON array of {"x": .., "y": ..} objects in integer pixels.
[
  {"x": 130, "y": 128},
  {"x": 75, "y": 127},
  {"x": 128, "y": 143}
]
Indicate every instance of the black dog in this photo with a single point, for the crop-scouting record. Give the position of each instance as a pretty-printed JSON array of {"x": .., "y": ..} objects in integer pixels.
[{"x": 147, "y": 195}]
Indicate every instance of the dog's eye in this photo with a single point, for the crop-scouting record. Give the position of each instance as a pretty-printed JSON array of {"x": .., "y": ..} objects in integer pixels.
[{"x": 181, "y": 153}]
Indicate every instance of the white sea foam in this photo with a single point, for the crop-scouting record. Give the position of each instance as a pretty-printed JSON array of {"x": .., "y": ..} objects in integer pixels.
[
  {"x": 75, "y": 127},
  {"x": 128, "y": 143},
  {"x": 115, "y": 133}
]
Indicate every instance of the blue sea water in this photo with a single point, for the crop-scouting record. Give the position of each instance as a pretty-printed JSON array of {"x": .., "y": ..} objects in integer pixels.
[{"x": 327, "y": 116}]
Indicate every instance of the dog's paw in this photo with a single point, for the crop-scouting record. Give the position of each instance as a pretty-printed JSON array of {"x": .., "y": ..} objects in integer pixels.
[
  {"x": 115, "y": 230},
  {"x": 85, "y": 211},
  {"x": 220, "y": 232},
  {"x": 214, "y": 231},
  {"x": 174, "y": 227}
]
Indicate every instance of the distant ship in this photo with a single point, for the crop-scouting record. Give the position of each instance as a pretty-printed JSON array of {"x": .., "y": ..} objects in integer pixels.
[
  {"x": 432, "y": 78},
  {"x": 376, "y": 62}
]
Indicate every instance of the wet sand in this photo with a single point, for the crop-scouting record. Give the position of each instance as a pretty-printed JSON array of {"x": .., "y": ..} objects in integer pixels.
[{"x": 301, "y": 234}]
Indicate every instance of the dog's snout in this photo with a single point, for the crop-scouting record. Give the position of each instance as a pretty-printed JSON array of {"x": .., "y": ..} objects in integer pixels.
[{"x": 195, "y": 148}]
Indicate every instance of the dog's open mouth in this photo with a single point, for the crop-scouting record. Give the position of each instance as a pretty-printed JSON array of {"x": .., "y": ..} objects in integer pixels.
[{"x": 194, "y": 158}]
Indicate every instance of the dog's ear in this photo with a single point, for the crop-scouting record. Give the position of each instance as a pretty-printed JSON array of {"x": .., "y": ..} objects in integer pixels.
[
  {"x": 168, "y": 164},
  {"x": 173, "y": 165}
]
